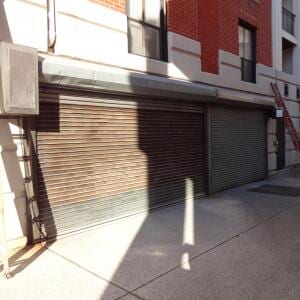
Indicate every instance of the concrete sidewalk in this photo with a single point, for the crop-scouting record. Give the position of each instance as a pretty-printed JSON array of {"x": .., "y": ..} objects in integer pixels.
[{"x": 237, "y": 244}]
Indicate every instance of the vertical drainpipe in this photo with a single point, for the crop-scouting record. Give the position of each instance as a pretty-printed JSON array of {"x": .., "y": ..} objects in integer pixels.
[{"x": 51, "y": 24}]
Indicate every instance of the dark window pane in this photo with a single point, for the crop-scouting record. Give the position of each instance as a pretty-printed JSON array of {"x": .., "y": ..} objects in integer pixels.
[
  {"x": 247, "y": 70},
  {"x": 286, "y": 90},
  {"x": 135, "y": 38},
  {"x": 152, "y": 42}
]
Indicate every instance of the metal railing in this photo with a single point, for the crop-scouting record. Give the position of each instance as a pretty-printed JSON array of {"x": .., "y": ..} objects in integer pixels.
[{"x": 288, "y": 21}]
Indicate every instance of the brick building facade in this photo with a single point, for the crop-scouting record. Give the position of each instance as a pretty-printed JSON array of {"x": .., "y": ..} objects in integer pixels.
[
  {"x": 214, "y": 24},
  {"x": 133, "y": 112},
  {"x": 218, "y": 22}
]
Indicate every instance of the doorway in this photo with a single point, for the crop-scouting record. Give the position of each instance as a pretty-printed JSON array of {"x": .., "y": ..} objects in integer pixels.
[{"x": 280, "y": 133}]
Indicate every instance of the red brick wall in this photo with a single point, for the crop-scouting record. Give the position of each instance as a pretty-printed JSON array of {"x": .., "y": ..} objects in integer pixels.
[
  {"x": 183, "y": 17},
  {"x": 220, "y": 29},
  {"x": 209, "y": 34},
  {"x": 257, "y": 15}
]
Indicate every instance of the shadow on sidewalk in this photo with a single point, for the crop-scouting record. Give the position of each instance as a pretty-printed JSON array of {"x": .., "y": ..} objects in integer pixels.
[{"x": 21, "y": 259}]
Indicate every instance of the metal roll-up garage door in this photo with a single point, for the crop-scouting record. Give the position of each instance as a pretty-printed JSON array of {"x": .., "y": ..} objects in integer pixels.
[
  {"x": 238, "y": 146},
  {"x": 102, "y": 158}
]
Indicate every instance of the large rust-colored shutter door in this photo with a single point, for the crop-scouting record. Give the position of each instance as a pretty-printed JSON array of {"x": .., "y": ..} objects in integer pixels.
[{"x": 102, "y": 158}]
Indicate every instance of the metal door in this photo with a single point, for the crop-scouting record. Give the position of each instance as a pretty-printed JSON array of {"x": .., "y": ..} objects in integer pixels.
[
  {"x": 238, "y": 142},
  {"x": 103, "y": 157}
]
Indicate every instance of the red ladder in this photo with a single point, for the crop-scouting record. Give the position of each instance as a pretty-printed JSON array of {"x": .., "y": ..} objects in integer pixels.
[{"x": 286, "y": 117}]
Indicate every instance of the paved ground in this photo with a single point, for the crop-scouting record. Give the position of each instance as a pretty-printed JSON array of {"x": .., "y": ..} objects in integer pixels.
[{"x": 234, "y": 245}]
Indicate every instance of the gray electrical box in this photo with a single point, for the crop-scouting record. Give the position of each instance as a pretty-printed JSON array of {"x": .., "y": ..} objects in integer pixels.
[{"x": 18, "y": 80}]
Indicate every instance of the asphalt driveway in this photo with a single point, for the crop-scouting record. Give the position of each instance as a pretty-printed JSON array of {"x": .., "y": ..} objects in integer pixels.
[{"x": 237, "y": 244}]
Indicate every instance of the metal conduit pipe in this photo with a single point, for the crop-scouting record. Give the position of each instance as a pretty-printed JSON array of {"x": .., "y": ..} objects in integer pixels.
[{"x": 51, "y": 24}]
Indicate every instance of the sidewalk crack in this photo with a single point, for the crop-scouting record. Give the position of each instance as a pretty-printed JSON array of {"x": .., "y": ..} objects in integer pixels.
[{"x": 95, "y": 274}]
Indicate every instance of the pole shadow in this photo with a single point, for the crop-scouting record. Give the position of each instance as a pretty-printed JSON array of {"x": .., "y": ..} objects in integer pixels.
[{"x": 21, "y": 259}]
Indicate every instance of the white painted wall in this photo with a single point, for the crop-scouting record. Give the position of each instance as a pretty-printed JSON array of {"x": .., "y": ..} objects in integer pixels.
[
  {"x": 184, "y": 55},
  {"x": 280, "y": 60},
  {"x": 296, "y": 54},
  {"x": 287, "y": 60},
  {"x": 24, "y": 22},
  {"x": 11, "y": 176}
]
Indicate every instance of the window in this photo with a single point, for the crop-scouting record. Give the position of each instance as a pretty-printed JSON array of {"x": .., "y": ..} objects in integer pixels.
[
  {"x": 298, "y": 93},
  {"x": 146, "y": 28},
  {"x": 247, "y": 52},
  {"x": 286, "y": 90}
]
